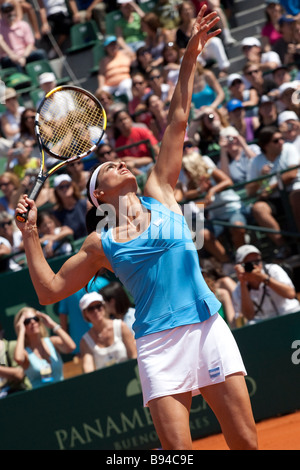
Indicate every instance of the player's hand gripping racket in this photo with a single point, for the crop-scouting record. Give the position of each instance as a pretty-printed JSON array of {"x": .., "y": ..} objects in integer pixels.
[{"x": 69, "y": 125}]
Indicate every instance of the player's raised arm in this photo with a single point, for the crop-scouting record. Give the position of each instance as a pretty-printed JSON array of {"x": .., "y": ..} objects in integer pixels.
[{"x": 166, "y": 171}]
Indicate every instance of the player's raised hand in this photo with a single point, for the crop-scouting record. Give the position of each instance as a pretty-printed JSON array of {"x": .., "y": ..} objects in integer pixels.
[{"x": 201, "y": 32}]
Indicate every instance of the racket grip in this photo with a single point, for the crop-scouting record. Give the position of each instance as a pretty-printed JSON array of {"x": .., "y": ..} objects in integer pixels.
[{"x": 33, "y": 195}]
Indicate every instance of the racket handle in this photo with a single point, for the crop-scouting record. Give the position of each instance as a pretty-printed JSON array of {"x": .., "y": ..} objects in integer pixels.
[{"x": 33, "y": 195}]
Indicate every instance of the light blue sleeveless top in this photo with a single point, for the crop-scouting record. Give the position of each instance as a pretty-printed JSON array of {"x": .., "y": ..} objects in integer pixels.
[
  {"x": 36, "y": 365},
  {"x": 160, "y": 268}
]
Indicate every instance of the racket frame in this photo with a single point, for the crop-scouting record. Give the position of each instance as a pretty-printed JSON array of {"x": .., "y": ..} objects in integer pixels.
[{"x": 42, "y": 177}]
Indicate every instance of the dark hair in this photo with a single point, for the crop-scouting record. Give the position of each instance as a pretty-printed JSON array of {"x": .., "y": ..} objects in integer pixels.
[
  {"x": 114, "y": 290},
  {"x": 76, "y": 194},
  {"x": 265, "y": 136},
  {"x": 42, "y": 215},
  {"x": 23, "y": 123}
]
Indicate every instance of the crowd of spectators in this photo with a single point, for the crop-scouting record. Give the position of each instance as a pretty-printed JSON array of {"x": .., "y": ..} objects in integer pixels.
[{"x": 240, "y": 162}]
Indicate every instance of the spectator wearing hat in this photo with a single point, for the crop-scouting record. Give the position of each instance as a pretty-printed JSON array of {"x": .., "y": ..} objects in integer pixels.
[
  {"x": 70, "y": 315},
  {"x": 289, "y": 125},
  {"x": 47, "y": 81},
  {"x": 237, "y": 118},
  {"x": 252, "y": 50},
  {"x": 288, "y": 99},
  {"x": 276, "y": 156},
  {"x": 238, "y": 91},
  {"x": 281, "y": 46},
  {"x": 263, "y": 290},
  {"x": 17, "y": 44},
  {"x": 71, "y": 207},
  {"x": 114, "y": 69},
  {"x": 271, "y": 30},
  {"x": 11, "y": 118},
  {"x": 108, "y": 341}
]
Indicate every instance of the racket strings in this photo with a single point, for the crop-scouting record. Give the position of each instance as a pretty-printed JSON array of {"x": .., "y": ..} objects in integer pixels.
[{"x": 70, "y": 122}]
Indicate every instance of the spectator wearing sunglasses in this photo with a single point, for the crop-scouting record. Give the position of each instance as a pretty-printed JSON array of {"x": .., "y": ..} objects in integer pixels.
[
  {"x": 254, "y": 78},
  {"x": 263, "y": 290},
  {"x": 108, "y": 341},
  {"x": 105, "y": 153},
  {"x": 38, "y": 353}
]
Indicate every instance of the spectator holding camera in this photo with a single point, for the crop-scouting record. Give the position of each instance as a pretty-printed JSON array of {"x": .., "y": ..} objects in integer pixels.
[{"x": 263, "y": 290}]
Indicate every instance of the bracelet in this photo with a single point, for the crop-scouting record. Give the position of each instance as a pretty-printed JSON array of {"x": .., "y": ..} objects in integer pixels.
[
  {"x": 57, "y": 327},
  {"x": 267, "y": 281}
]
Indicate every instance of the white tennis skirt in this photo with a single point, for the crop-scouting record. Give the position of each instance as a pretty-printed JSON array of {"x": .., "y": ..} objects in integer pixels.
[{"x": 187, "y": 358}]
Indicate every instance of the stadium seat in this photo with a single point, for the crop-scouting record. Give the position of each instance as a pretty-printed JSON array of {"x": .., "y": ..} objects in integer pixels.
[
  {"x": 98, "y": 52},
  {"x": 36, "y": 96},
  {"x": 83, "y": 36},
  {"x": 110, "y": 19},
  {"x": 147, "y": 5},
  {"x": 35, "y": 69}
]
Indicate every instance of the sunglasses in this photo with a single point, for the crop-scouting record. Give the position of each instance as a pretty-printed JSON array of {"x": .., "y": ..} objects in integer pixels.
[
  {"x": 154, "y": 77},
  {"x": 137, "y": 83},
  {"x": 91, "y": 308},
  {"x": 28, "y": 320},
  {"x": 5, "y": 184},
  {"x": 64, "y": 186},
  {"x": 252, "y": 72}
]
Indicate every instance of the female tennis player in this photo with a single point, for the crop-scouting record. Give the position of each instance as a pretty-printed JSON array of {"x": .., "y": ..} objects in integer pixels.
[{"x": 184, "y": 347}]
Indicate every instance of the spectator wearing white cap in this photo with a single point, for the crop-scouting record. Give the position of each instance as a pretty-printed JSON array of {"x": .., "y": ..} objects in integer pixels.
[
  {"x": 263, "y": 290},
  {"x": 289, "y": 125},
  {"x": 252, "y": 50},
  {"x": 289, "y": 100},
  {"x": 47, "y": 81},
  {"x": 71, "y": 207},
  {"x": 238, "y": 91},
  {"x": 108, "y": 341}
]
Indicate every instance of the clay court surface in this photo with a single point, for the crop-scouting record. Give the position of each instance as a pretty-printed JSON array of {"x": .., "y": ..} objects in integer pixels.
[{"x": 282, "y": 433}]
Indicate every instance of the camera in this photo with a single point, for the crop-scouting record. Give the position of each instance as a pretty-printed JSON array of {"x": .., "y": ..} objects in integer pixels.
[{"x": 249, "y": 266}]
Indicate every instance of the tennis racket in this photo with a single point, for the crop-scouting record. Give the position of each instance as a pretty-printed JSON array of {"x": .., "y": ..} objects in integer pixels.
[{"x": 69, "y": 124}]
